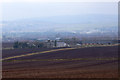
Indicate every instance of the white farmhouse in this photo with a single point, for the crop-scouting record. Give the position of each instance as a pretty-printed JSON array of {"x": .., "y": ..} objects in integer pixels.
[{"x": 61, "y": 44}]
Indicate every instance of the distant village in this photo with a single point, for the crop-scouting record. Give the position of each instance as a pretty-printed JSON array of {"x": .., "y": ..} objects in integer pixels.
[{"x": 58, "y": 43}]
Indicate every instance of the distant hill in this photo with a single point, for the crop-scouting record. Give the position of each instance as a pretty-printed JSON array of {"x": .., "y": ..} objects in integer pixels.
[{"x": 84, "y": 24}]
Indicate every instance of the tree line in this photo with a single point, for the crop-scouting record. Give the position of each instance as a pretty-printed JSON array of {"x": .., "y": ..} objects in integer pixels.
[{"x": 28, "y": 45}]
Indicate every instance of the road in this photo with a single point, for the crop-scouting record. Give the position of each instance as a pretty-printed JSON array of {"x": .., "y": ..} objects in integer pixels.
[{"x": 94, "y": 62}]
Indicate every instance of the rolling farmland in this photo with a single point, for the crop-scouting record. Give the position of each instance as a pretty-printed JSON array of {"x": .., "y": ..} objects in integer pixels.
[{"x": 93, "y": 62}]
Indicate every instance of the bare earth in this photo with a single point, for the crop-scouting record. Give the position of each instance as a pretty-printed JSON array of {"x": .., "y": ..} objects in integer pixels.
[{"x": 65, "y": 65}]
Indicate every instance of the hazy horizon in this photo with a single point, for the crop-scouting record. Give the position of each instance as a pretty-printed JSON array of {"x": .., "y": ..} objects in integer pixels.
[
  {"x": 74, "y": 17},
  {"x": 18, "y": 11}
]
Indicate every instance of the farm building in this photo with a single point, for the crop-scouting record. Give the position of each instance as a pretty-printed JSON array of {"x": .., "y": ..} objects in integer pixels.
[
  {"x": 52, "y": 44},
  {"x": 61, "y": 44}
]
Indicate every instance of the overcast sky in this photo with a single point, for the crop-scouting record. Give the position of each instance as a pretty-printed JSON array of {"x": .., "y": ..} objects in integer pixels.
[{"x": 24, "y": 10}]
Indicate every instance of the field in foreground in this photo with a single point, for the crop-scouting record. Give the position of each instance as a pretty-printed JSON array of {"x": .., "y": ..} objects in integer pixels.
[{"x": 94, "y": 62}]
